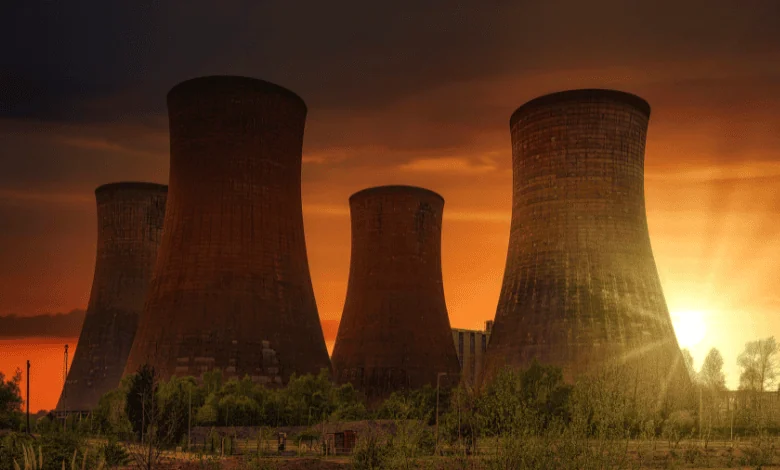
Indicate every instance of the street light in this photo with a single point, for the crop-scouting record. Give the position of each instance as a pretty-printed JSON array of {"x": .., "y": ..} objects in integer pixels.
[{"x": 436, "y": 446}]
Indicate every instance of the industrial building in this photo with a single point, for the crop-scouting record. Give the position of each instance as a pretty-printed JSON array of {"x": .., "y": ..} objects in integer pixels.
[
  {"x": 129, "y": 226},
  {"x": 232, "y": 289},
  {"x": 471, "y": 346},
  {"x": 581, "y": 289},
  {"x": 394, "y": 332}
]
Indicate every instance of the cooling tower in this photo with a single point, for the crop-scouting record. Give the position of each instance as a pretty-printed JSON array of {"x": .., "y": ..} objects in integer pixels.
[
  {"x": 394, "y": 332},
  {"x": 130, "y": 219},
  {"x": 581, "y": 289},
  {"x": 231, "y": 288}
]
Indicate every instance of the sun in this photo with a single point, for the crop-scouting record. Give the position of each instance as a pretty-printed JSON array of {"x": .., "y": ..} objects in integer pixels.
[{"x": 690, "y": 327}]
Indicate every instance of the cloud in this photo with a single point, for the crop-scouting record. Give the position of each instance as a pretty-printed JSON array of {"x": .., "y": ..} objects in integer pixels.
[
  {"x": 86, "y": 60},
  {"x": 745, "y": 170},
  {"x": 21, "y": 197},
  {"x": 449, "y": 165},
  {"x": 330, "y": 210},
  {"x": 478, "y": 216},
  {"x": 59, "y": 325}
]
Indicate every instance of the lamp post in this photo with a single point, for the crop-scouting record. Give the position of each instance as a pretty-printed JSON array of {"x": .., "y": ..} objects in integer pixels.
[
  {"x": 28, "y": 397},
  {"x": 436, "y": 446}
]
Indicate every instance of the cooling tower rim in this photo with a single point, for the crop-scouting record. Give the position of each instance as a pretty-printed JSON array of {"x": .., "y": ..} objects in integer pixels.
[
  {"x": 584, "y": 94},
  {"x": 131, "y": 185},
  {"x": 394, "y": 189},
  {"x": 196, "y": 86}
]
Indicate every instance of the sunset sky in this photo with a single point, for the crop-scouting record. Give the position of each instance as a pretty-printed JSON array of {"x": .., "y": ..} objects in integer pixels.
[{"x": 413, "y": 92}]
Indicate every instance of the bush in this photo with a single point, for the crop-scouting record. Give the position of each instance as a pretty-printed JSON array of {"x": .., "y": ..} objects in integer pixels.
[
  {"x": 11, "y": 449},
  {"x": 57, "y": 447},
  {"x": 114, "y": 454},
  {"x": 370, "y": 453},
  {"x": 679, "y": 425}
]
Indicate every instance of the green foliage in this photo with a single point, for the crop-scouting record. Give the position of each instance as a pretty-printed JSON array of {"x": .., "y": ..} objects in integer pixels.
[
  {"x": 59, "y": 447},
  {"x": 114, "y": 454},
  {"x": 140, "y": 398},
  {"x": 174, "y": 398},
  {"x": 516, "y": 400},
  {"x": 462, "y": 425},
  {"x": 46, "y": 424},
  {"x": 110, "y": 415},
  {"x": 32, "y": 460},
  {"x": 10, "y": 401},
  {"x": 12, "y": 448},
  {"x": 417, "y": 404},
  {"x": 371, "y": 453}
]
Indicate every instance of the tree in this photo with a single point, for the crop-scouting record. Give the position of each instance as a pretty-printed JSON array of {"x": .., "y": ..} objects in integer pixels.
[
  {"x": 10, "y": 401},
  {"x": 711, "y": 374},
  {"x": 688, "y": 359},
  {"x": 759, "y": 364},
  {"x": 157, "y": 414},
  {"x": 140, "y": 398},
  {"x": 712, "y": 381}
]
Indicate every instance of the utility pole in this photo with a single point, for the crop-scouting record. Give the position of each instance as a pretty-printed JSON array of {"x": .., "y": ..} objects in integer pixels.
[
  {"x": 28, "y": 397},
  {"x": 65, "y": 391},
  {"x": 189, "y": 420},
  {"x": 701, "y": 410},
  {"x": 436, "y": 446}
]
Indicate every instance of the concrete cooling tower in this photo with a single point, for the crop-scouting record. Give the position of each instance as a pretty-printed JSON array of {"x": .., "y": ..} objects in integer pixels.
[
  {"x": 130, "y": 219},
  {"x": 394, "y": 332},
  {"x": 581, "y": 289},
  {"x": 231, "y": 289}
]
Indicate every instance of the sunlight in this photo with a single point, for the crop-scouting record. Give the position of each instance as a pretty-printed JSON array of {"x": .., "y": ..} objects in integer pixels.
[{"x": 690, "y": 327}]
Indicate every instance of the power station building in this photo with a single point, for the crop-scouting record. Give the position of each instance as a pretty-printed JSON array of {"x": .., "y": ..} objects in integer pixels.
[
  {"x": 129, "y": 226},
  {"x": 471, "y": 345},
  {"x": 580, "y": 288},
  {"x": 394, "y": 332},
  {"x": 232, "y": 289}
]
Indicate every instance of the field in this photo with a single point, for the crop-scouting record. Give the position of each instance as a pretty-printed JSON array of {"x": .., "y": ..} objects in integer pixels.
[{"x": 633, "y": 454}]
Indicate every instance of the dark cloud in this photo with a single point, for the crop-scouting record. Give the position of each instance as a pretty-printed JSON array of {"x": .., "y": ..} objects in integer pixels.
[
  {"x": 57, "y": 325},
  {"x": 78, "y": 55}
]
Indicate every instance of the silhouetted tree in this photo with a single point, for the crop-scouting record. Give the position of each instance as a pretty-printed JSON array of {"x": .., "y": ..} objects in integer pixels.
[
  {"x": 688, "y": 359},
  {"x": 759, "y": 364},
  {"x": 140, "y": 399},
  {"x": 711, "y": 375},
  {"x": 10, "y": 401}
]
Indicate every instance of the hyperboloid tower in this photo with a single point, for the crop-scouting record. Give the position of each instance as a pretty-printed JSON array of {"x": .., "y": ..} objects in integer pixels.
[
  {"x": 394, "y": 332},
  {"x": 130, "y": 219},
  {"x": 581, "y": 289},
  {"x": 231, "y": 289}
]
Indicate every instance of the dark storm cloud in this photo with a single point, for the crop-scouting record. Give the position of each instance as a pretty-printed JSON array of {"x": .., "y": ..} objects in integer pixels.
[
  {"x": 101, "y": 60},
  {"x": 59, "y": 325}
]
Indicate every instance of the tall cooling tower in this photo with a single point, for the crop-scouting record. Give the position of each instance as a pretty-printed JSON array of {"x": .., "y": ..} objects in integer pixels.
[
  {"x": 581, "y": 289},
  {"x": 130, "y": 219},
  {"x": 231, "y": 289},
  {"x": 394, "y": 332}
]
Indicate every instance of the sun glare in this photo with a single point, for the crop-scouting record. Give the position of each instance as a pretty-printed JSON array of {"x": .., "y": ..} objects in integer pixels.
[{"x": 690, "y": 327}]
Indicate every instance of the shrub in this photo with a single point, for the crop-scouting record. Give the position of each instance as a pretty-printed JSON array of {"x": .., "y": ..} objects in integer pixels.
[{"x": 114, "y": 454}]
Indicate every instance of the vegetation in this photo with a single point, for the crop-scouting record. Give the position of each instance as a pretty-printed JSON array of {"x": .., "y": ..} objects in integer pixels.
[
  {"x": 530, "y": 418},
  {"x": 759, "y": 365},
  {"x": 10, "y": 401}
]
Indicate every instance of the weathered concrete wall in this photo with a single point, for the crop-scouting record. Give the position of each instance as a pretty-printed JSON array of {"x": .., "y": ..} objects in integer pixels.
[
  {"x": 581, "y": 288},
  {"x": 232, "y": 288},
  {"x": 394, "y": 331},
  {"x": 130, "y": 219}
]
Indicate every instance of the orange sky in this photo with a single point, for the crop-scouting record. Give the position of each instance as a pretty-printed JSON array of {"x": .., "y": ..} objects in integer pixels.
[
  {"x": 440, "y": 120},
  {"x": 712, "y": 201}
]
